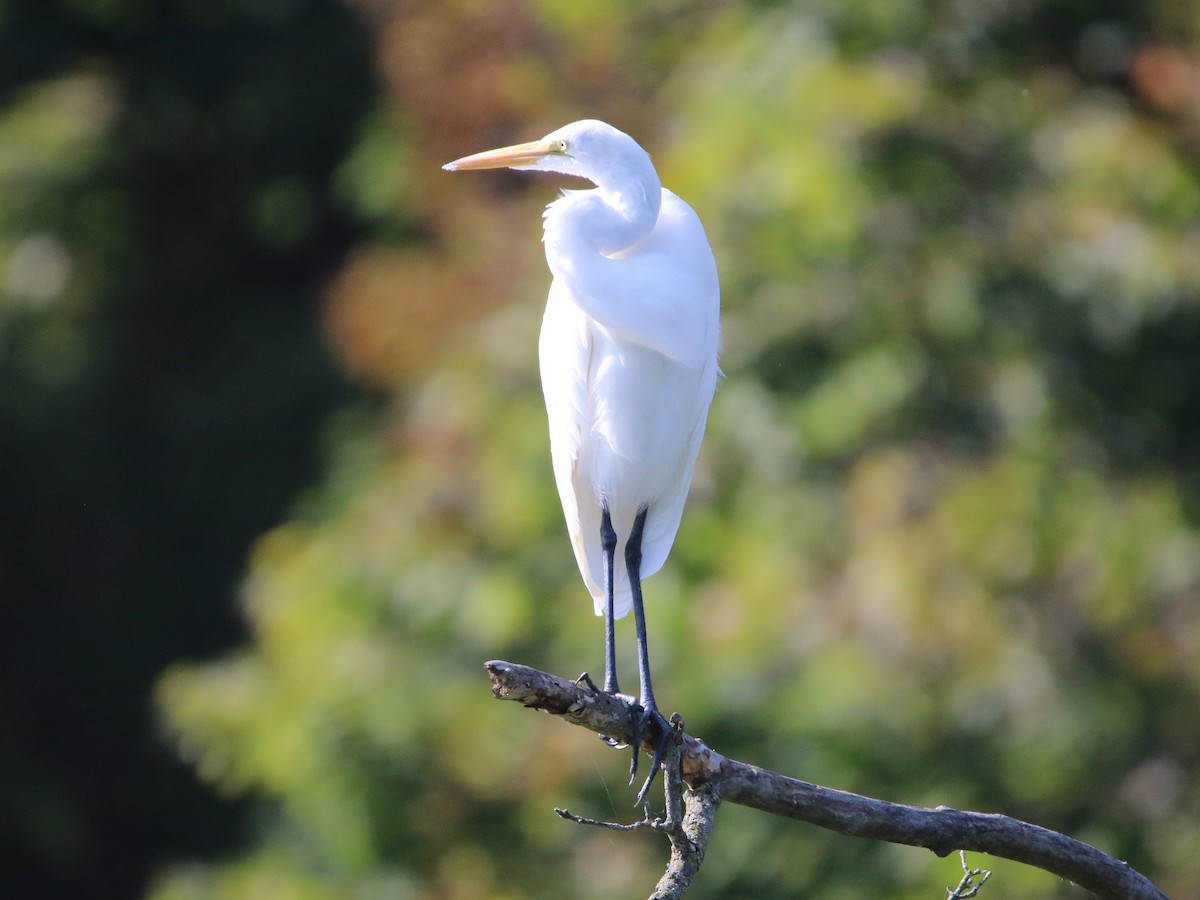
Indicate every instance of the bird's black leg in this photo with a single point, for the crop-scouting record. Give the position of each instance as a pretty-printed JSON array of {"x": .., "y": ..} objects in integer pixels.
[
  {"x": 608, "y": 540},
  {"x": 649, "y": 714}
]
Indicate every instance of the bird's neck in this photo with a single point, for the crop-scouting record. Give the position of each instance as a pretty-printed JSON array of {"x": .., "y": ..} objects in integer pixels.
[{"x": 609, "y": 219}]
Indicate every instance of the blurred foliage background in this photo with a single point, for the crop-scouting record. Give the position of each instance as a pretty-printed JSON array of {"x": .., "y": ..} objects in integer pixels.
[{"x": 275, "y": 480}]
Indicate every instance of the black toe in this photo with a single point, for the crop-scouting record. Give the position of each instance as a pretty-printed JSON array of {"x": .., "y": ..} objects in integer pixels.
[{"x": 661, "y": 731}]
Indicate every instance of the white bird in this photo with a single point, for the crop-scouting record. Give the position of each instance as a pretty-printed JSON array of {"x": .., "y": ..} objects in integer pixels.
[{"x": 628, "y": 354}]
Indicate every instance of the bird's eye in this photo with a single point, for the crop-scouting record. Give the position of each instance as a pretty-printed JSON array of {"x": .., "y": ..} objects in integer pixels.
[{"x": 559, "y": 146}]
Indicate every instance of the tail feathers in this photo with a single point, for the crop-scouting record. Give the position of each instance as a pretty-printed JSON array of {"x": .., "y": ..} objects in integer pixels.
[
  {"x": 622, "y": 600},
  {"x": 592, "y": 570}
]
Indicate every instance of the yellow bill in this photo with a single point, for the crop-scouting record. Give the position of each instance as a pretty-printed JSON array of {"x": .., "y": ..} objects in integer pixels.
[{"x": 506, "y": 157}]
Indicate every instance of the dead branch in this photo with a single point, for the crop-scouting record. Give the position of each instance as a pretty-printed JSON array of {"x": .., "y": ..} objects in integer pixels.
[{"x": 711, "y": 777}]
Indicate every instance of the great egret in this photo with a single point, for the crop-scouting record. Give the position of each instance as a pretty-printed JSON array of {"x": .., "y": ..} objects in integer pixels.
[{"x": 628, "y": 355}]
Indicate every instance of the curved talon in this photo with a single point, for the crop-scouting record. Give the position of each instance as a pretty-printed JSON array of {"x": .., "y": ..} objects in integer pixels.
[
  {"x": 636, "y": 714},
  {"x": 649, "y": 714},
  {"x": 585, "y": 678}
]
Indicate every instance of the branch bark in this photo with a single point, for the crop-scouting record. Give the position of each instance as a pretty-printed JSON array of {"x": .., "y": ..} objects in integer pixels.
[{"x": 711, "y": 777}]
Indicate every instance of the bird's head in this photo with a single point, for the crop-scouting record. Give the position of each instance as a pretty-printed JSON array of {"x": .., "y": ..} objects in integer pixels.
[{"x": 586, "y": 149}]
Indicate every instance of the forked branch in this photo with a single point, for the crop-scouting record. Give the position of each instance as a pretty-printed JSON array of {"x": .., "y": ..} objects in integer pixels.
[{"x": 942, "y": 830}]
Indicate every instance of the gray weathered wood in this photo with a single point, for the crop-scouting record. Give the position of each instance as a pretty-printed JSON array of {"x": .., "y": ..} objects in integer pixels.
[{"x": 942, "y": 830}]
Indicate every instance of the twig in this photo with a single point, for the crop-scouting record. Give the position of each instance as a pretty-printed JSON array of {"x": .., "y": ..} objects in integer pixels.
[
  {"x": 966, "y": 887},
  {"x": 645, "y": 823},
  {"x": 942, "y": 830}
]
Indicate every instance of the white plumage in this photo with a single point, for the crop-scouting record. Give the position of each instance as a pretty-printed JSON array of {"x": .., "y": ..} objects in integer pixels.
[{"x": 628, "y": 354}]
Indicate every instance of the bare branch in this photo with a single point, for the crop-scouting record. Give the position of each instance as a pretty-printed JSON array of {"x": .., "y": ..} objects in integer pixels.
[
  {"x": 942, "y": 830},
  {"x": 689, "y": 821},
  {"x": 688, "y": 847}
]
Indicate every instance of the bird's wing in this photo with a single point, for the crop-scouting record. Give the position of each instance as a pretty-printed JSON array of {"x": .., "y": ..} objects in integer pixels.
[
  {"x": 566, "y": 354},
  {"x": 690, "y": 297},
  {"x": 666, "y": 512}
]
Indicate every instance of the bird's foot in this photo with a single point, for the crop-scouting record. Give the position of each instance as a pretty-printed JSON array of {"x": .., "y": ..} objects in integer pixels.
[
  {"x": 646, "y": 716},
  {"x": 642, "y": 715}
]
